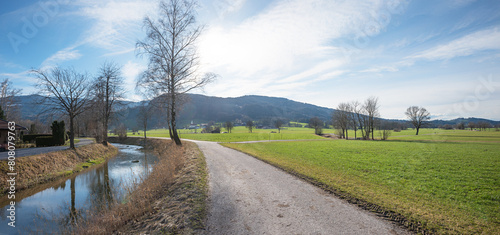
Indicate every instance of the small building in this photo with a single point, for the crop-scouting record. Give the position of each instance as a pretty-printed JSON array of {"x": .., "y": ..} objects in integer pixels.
[{"x": 4, "y": 133}]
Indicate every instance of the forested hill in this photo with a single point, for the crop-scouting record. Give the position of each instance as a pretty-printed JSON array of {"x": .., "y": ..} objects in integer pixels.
[
  {"x": 202, "y": 109},
  {"x": 252, "y": 107}
]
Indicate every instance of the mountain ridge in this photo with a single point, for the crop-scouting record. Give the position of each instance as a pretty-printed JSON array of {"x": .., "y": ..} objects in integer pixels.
[{"x": 201, "y": 108}]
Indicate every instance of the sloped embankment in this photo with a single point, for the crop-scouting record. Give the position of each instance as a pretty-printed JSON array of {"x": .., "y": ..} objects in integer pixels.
[
  {"x": 171, "y": 200},
  {"x": 42, "y": 168}
]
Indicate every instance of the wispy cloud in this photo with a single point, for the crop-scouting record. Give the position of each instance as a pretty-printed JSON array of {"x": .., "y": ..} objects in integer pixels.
[
  {"x": 464, "y": 46},
  {"x": 290, "y": 37},
  {"x": 61, "y": 56},
  {"x": 115, "y": 24},
  {"x": 130, "y": 72}
]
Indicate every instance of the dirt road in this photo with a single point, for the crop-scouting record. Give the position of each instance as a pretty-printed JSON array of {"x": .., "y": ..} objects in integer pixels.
[{"x": 248, "y": 196}]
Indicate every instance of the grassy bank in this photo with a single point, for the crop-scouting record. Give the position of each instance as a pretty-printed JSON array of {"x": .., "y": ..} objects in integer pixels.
[
  {"x": 42, "y": 168},
  {"x": 441, "y": 187},
  {"x": 171, "y": 200}
]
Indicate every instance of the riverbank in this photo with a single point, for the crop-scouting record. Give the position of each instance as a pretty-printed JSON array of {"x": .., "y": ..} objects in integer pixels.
[
  {"x": 43, "y": 168},
  {"x": 171, "y": 200}
]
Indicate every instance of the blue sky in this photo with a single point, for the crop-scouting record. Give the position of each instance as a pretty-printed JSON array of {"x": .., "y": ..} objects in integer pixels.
[{"x": 442, "y": 55}]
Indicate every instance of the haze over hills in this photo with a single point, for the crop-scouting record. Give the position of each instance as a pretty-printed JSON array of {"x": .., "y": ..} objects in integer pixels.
[{"x": 202, "y": 109}]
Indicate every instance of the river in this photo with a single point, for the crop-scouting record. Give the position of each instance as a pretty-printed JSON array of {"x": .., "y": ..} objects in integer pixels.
[{"x": 54, "y": 206}]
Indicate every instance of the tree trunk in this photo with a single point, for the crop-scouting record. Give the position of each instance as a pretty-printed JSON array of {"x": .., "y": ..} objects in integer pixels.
[
  {"x": 175, "y": 136},
  {"x": 105, "y": 133},
  {"x": 71, "y": 133},
  {"x": 417, "y": 130}
]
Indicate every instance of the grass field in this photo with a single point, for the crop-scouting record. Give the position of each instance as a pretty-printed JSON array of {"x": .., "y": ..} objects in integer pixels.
[
  {"x": 450, "y": 187},
  {"x": 240, "y": 134}
]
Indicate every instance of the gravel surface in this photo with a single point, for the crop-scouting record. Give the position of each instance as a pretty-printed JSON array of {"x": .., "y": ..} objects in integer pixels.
[
  {"x": 34, "y": 151},
  {"x": 248, "y": 196}
]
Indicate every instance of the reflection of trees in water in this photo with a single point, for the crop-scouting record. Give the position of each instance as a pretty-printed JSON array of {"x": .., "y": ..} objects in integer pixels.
[{"x": 100, "y": 190}]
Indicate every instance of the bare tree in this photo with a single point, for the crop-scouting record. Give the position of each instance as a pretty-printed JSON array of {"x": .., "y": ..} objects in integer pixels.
[
  {"x": 418, "y": 116},
  {"x": 107, "y": 91},
  {"x": 170, "y": 46},
  {"x": 317, "y": 124},
  {"x": 250, "y": 125},
  {"x": 471, "y": 125},
  {"x": 66, "y": 91},
  {"x": 340, "y": 118},
  {"x": 278, "y": 123},
  {"x": 228, "y": 126},
  {"x": 145, "y": 114},
  {"x": 353, "y": 112},
  {"x": 371, "y": 110},
  {"x": 8, "y": 100}
]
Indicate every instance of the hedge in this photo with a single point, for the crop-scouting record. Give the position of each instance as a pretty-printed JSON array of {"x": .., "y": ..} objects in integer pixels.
[
  {"x": 45, "y": 141},
  {"x": 32, "y": 137}
]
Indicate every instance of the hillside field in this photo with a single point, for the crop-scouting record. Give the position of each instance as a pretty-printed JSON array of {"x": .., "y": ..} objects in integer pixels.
[{"x": 447, "y": 180}]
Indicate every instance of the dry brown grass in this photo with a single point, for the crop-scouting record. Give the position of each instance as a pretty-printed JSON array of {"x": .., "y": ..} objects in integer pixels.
[
  {"x": 42, "y": 168},
  {"x": 170, "y": 200}
]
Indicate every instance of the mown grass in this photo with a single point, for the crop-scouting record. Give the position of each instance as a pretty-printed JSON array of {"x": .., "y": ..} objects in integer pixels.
[
  {"x": 239, "y": 134},
  {"x": 448, "y": 187}
]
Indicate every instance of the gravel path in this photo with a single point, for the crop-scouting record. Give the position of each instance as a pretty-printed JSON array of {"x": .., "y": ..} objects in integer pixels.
[
  {"x": 34, "y": 151},
  {"x": 248, "y": 196}
]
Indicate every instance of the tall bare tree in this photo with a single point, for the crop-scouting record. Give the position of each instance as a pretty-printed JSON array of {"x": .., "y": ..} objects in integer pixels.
[
  {"x": 354, "y": 107},
  {"x": 278, "y": 123},
  {"x": 8, "y": 100},
  {"x": 371, "y": 110},
  {"x": 228, "y": 126},
  {"x": 170, "y": 46},
  {"x": 250, "y": 125},
  {"x": 340, "y": 118},
  {"x": 107, "y": 91},
  {"x": 144, "y": 117},
  {"x": 66, "y": 91},
  {"x": 418, "y": 116},
  {"x": 317, "y": 124}
]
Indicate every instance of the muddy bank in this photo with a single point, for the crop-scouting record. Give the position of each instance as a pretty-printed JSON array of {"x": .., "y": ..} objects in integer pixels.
[
  {"x": 42, "y": 168},
  {"x": 171, "y": 200}
]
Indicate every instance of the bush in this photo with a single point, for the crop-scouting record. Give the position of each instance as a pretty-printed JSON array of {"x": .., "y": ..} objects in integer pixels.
[
  {"x": 58, "y": 132},
  {"x": 45, "y": 141},
  {"x": 32, "y": 137}
]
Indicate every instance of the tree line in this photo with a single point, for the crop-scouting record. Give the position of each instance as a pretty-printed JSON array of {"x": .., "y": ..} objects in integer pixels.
[{"x": 365, "y": 117}]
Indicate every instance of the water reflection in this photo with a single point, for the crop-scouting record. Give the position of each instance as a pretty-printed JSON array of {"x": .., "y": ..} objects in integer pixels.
[{"x": 49, "y": 207}]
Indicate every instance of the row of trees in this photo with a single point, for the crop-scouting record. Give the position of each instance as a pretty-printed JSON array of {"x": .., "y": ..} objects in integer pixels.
[
  {"x": 72, "y": 93},
  {"x": 481, "y": 125},
  {"x": 366, "y": 117},
  {"x": 358, "y": 116},
  {"x": 172, "y": 72}
]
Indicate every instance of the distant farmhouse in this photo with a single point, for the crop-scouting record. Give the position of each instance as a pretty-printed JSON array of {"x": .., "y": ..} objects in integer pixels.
[{"x": 4, "y": 133}]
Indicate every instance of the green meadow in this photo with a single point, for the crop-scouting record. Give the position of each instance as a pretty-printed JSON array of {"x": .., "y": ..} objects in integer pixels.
[
  {"x": 240, "y": 133},
  {"x": 449, "y": 181}
]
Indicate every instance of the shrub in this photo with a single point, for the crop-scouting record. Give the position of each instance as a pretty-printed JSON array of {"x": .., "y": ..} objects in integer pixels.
[
  {"x": 58, "y": 132},
  {"x": 45, "y": 141}
]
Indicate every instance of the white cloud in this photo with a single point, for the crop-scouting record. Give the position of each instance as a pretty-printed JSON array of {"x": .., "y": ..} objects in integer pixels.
[
  {"x": 61, "y": 56},
  {"x": 116, "y": 23},
  {"x": 225, "y": 7},
  {"x": 130, "y": 72},
  {"x": 464, "y": 46},
  {"x": 289, "y": 38}
]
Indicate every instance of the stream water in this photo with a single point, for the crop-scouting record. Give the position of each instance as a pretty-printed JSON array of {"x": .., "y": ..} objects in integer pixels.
[{"x": 52, "y": 207}]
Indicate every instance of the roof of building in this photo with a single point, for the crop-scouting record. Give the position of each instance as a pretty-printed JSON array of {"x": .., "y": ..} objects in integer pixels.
[{"x": 4, "y": 125}]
